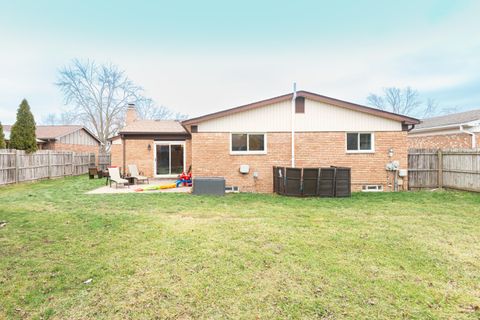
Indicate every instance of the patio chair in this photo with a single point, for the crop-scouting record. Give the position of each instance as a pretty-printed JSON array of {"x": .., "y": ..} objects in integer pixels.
[
  {"x": 92, "y": 172},
  {"x": 115, "y": 177},
  {"x": 132, "y": 168}
]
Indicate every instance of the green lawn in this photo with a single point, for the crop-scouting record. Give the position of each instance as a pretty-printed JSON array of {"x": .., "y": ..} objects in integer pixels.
[{"x": 404, "y": 255}]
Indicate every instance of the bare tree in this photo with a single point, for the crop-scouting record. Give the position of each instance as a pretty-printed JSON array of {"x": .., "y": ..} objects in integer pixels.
[
  {"x": 64, "y": 118},
  {"x": 98, "y": 96},
  {"x": 50, "y": 119},
  {"x": 148, "y": 109},
  {"x": 403, "y": 101},
  {"x": 431, "y": 108}
]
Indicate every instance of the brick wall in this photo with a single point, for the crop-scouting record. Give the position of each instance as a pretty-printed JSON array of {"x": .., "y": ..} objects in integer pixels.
[
  {"x": 137, "y": 153},
  {"x": 116, "y": 155},
  {"x": 447, "y": 141},
  {"x": 188, "y": 155},
  {"x": 211, "y": 157}
]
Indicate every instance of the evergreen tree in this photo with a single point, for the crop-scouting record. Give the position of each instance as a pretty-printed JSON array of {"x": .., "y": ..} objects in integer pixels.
[
  {"x": 22, "y": 136},
  {"x": 2, "y": 138}
]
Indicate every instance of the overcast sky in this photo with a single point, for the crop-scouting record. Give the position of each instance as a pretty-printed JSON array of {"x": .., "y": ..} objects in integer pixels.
[{"x": 202, "y": 56}]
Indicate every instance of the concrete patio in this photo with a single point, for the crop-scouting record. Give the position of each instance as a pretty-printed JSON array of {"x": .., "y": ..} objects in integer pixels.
[{"x": 133, "y": 188}]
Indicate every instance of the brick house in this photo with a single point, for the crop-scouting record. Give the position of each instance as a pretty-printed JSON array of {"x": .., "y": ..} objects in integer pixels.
[
  {"x": 327, "y": 132},
  {"x": 453, "y": 131},
  {"x": 64, "y": 137},
  {"x": 159, "y": 148}
]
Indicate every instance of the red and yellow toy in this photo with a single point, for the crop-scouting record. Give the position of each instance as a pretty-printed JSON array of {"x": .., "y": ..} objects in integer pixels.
[{"x": 185, "y": 179}]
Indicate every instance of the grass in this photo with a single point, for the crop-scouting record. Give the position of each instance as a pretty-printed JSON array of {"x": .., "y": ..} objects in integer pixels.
[{"x": 177, "y": 256}]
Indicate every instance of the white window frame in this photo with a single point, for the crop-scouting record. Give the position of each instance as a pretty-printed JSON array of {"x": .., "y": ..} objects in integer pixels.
[
  {"x": 169, "y": 144},
  {"x": 248, "y": 152},
  {"x": 372, "y": 135}
]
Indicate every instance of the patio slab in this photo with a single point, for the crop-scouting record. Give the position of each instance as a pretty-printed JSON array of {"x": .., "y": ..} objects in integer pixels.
[{"x": 132, "y": 188}]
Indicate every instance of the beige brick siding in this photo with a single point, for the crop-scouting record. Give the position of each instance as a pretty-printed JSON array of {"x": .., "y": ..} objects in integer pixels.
[
  {"x": 137, "y": 153},
  {"x": 447, "y": 141},
  {"x": 116, "y": 155},
  {"x": 211, "y": 157},
  {"x": 188, "y": 155}
]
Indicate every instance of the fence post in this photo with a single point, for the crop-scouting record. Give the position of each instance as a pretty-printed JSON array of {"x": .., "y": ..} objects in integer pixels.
[
  {"x": 73, "y": 163},
  {"x": 440, "y": 168},
  {"x": 17, "y": 166},
  {"x": 65, "y": 163},
  {"x": 49, "y": 163}
]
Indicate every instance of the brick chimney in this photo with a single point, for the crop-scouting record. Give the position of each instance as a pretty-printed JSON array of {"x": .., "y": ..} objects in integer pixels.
[{"x": 131, "y": 114}]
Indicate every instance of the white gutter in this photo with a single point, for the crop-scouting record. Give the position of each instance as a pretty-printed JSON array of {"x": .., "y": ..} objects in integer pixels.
[
  {"x": 294, "y": 97},
  {"x": 474, "y": 138},
  {"x": 455, "y": 125}
]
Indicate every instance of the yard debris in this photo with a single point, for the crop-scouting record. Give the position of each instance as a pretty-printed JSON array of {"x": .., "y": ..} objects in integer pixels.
[
  {"x": 318, "y": 291},
  {"x": 3, "y": 224},
  {"x": 88, "y": 281},
  {"x": 371, "y": 302},
  {"x": 471, "y": 309}
]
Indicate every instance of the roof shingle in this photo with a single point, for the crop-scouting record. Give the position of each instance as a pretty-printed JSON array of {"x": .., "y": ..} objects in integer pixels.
[
  {"x": 450, "y": 119},
  {"x": 154, "y": 126},
  {"x": 52, "y": 132}
]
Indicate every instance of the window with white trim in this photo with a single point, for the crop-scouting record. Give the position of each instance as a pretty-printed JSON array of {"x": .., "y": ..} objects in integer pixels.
[
  {"x": 242, "y": 143},
  {"x": 360, "y": 142}
]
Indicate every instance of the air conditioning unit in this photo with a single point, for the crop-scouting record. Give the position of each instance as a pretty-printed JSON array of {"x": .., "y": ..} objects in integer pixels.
[{"x": 372, "y": 188}]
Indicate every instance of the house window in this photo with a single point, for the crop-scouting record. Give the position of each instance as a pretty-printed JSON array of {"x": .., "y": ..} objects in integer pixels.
[
  {"x": 360, "y": 142},
  {"x": 248, "y": 143}
]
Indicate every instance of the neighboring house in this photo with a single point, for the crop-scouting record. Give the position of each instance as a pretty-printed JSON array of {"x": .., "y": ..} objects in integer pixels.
[
  {"x": 328, "y": 132},
  {"x": 65, "y": 137},
  {"x": 453, "y": 131}
]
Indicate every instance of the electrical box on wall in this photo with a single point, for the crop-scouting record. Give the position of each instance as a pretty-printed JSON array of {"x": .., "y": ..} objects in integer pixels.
[
  {"x": 244, "y": 168},
  {"x": 392, "y": 166}
]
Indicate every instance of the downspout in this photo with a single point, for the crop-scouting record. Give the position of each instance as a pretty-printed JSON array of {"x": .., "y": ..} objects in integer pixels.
[
  {"x": 474, "y": 138},
  {"x": 294, "y": 97},
  {"x": 124, "y": 153}
]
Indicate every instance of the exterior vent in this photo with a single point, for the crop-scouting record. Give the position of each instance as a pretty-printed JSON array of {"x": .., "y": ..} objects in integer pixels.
[
  {"x": 300, "y": 105},
  {"x": 232, "y": 189},
  {"x": 372, "y": 188}
]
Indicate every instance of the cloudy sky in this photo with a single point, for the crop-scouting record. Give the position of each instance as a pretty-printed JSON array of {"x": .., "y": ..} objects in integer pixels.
[{"x": 202, "y": 56}]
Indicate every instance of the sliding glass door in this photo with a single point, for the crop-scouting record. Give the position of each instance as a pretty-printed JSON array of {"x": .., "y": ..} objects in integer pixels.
[{"x": 169, "y": 158}]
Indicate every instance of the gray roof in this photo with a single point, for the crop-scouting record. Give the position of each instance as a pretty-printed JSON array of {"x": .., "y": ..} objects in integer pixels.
[
  {"x": 7, "y": 136},
  {"x": 450, "y": 119},
  {"x": 154, "y": 127},
  {"x": 52, "y": 132}
]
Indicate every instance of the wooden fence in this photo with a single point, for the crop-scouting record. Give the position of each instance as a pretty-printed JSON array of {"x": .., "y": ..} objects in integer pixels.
[
  {"x": 104, "y": 161},
  {"x": 18, "y": 166},
  {"x": 455, "y": 169}
]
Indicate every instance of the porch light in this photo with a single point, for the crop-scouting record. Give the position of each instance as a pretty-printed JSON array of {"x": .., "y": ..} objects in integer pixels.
[
  {"x": 149, "y": 147},
  {"x": 390, "y": 152}
]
